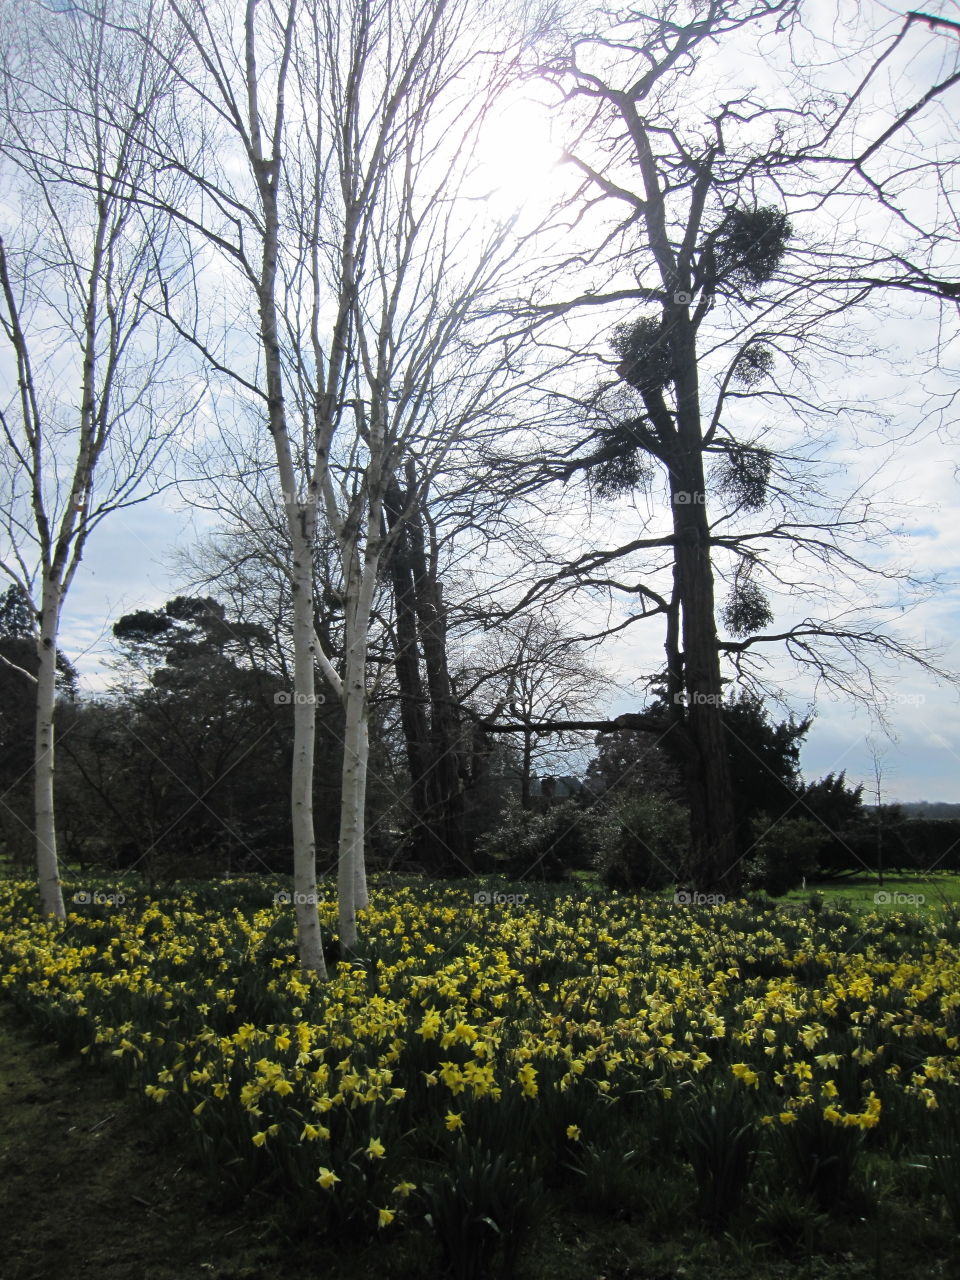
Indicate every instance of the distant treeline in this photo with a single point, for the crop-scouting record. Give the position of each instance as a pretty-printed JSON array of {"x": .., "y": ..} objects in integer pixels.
[
  {"x": 938, "y": 809},
  {"x": 182, "y": 767}
]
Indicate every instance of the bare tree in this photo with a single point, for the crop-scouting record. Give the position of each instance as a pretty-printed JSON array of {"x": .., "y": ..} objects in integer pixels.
[
  {"x": 528, "y": 670},
  {"x": 877, "y": 755},
  {"x": 89, "y": 403},
  {"x": 720, "y": 294},
  {"x": 326, "y": 150}
]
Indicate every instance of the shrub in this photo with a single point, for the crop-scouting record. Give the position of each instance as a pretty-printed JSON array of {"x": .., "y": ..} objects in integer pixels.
[
  {"x": 784, "y": 853},
  {"x": 544, "y": 844},
  {"x": 642, "y": 843}
]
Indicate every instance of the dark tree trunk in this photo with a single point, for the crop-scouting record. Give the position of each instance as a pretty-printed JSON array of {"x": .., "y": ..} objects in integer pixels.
[
  {"x": 445, "y": 727},
  {"x": 713, "y": 853},
  {"x": 432, "y": 744},
  {"x": 525, "y": 770},
  {"x": 413, "y": 718}
]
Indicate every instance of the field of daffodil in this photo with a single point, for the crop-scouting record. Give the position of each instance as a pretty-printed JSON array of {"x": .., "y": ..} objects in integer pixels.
[{"x": 483, "y": 1055}]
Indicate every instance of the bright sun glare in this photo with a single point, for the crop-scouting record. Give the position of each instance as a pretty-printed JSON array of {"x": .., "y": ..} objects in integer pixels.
[{"x": 517, "y": 156}]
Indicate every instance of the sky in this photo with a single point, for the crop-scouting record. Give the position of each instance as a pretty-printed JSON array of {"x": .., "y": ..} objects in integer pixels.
[{"x": 130, "y": 560}]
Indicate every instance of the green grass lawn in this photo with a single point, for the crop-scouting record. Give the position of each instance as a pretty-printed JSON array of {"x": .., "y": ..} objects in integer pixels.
[
  {"x": 908, "y": 892},
  {"x": 859, "y": 892}
]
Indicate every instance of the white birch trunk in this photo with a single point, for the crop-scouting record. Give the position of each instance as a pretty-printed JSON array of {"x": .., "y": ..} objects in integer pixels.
[
  {"x": 309, "y": 939},
  {"x": 361, "y": 898},
  {"x": 353, "y": 780},
  {"x": 301, "y": 516},
  {"x": 48, "y": 869},
  {"x": 351, "y": 871}
]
